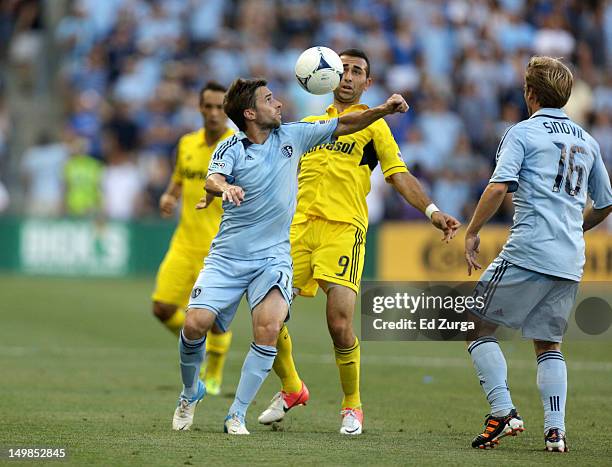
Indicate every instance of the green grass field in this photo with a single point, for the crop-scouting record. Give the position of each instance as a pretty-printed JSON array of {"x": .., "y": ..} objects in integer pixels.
[{"x": 83, "y": 365}]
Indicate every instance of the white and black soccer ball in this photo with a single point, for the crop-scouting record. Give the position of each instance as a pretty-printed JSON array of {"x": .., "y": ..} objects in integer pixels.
[{"x": 319, "y": 70}]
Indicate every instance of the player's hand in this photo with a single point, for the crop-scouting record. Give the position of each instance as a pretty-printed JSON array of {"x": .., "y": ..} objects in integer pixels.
[
  {"x": 396, "y": 103},
  {"x": 446, "y": 223},
  {"x": 472, "y": 248},
  {"x": 205, "y": 201},
  {"x": 234, "y": 194},
  {"x": 167, "y": 204}
]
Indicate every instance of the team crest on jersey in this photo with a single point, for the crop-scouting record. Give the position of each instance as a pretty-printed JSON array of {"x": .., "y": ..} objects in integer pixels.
[
  {"x": 195, "y": 292},
  {"x": 287, "y": 151}
]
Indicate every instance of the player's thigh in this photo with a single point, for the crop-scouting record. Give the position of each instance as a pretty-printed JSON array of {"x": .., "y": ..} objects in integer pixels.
[
  {"x": 175, "y": 277},
  {"x": 301, "y": 255},
  {"x": 549, "y": 319},
  {"x": 219, "y": 288},
  {"x": 340, "y": 254},
  {"x": 272, "y": 273},
  {"x": 506, "y": 293}
]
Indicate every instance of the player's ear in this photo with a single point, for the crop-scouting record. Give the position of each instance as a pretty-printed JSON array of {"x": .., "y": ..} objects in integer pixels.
[
  {"x": 368, "y": 83},
  {"x": 249, "y": 114}
]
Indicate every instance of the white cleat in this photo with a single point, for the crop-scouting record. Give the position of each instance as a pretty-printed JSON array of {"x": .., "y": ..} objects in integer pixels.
[
  {"x": 275, "y": 411},
  {"x": 183, "y": 415},
  {"x": 352, "y": 422},
  {"x": 281, "y": 403},
  {"x": 234, "y": 425}
]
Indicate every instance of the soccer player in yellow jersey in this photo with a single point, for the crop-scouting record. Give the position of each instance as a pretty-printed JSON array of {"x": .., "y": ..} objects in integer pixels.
[
  {"x": 328, "y": 236},
  {"x": 195, "y": 232}
]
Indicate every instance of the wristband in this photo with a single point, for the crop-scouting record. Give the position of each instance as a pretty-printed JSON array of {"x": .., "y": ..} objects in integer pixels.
[{"x": 430, "y": 210}]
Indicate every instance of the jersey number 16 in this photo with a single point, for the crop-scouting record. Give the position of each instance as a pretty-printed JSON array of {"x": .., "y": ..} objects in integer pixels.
[{"x": 570, "y": 189}]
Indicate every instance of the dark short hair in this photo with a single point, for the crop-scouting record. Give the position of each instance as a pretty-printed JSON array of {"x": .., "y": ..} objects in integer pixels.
[
  {"x": 211, "y": 86},
  {"x": 239, "y": 97},
  {"x": 359, "y": 54}
]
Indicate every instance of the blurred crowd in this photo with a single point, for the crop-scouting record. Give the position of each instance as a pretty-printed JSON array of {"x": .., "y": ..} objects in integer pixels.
[{"x": 130, "y": 71}]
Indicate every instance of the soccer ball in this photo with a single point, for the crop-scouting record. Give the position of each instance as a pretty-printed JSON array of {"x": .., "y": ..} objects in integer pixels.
[{"x": 318, "y": 70}]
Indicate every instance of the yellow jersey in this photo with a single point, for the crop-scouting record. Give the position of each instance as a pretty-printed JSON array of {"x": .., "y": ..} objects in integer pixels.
[
  {"x": 334, "y": 178},
  {"x": 196, "y": 228}
]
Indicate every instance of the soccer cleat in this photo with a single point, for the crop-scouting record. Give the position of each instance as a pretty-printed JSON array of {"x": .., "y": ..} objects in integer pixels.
[
  {"x": 235, "y": 425},
  {"x": 497, "y": 428},
  {"x": 183, "y": 415},
  {"x": 352, "y": 422},
  {"x": 213, "y": 387},
  {"x": 555, "y": 441},
  {"x": 281, "y": 403}
]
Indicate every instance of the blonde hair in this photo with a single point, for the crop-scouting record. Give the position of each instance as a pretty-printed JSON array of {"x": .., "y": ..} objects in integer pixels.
[{"x": 550, "y": 80}]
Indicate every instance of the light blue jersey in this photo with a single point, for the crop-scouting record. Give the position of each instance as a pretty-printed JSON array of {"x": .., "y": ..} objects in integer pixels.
[
  {"x": 550, "y": 163},
  {"x": 259, "y": 227}
]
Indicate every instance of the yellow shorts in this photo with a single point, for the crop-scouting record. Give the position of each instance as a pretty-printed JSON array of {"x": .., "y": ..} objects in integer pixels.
[
  {"x": 326, "y": 251},
  {"x": 177, "y": 274}
]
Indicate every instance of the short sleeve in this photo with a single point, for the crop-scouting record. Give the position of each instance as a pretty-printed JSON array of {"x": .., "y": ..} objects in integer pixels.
[
  {"x": 509, "y": 159},
  {"x": 309, "y": 134},
  {"x": 599, "y": 183},
  {"x": 223, "y": 159},
  {"x": 387, "y": 150}
]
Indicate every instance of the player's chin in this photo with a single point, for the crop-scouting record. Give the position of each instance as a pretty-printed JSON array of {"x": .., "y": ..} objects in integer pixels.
[{"x": 344, "y": 95}]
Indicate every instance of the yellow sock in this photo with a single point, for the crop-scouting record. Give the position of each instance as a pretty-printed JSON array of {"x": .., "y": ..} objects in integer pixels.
[
  {"x": 176, "y": 321},
  {"x": 217, "y": 346},
  {"x": 347, "y": 361},
  {"x": 284, "y": 366}
]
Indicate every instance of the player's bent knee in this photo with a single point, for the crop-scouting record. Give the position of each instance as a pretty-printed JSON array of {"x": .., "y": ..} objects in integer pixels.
[
  {"x": 197, "y": 323},
  {"x": 267, "y": 333},
  {"x": 163, "y": 311},
  {"x": 341, "y": 331}
]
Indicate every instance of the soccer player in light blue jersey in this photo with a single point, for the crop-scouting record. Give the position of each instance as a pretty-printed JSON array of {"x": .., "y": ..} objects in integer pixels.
[
  {"x": 550, "y": 164},
  {"x": 255, "y": 173}
]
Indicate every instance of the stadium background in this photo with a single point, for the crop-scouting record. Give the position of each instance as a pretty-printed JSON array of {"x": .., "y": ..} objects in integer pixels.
[{"x": 93, "y": 97}]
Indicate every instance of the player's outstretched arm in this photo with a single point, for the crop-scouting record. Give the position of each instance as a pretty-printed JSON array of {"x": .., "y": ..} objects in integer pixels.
[
  {"x": 169, "y": 200},
  {"x": 355, "y": 121},
  {"x": 489, "y": 203},
  {"x": 411, "y": 190},
  {"x": 217, "y": 185},
  {"x": 593, "y": 217}
]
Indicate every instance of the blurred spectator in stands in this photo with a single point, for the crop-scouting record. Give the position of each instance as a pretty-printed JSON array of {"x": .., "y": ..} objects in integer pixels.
[
  {"x": 602, "y": 132},
  {"x": 82, "y": 180},
  {"x": 440, "y": 126},
  {"x": 26, "y": 43},
  {"x": 75, "y": 35},
  {"x": 452, "y": 186},
  {"x": 122, "y": 181},
  {"x": 4, "y": 198},
  {"x": 420, "y": 156},
  {"x": 41, "y": 168}
]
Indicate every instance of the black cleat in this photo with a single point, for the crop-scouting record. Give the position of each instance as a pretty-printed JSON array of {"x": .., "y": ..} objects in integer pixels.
[
  {"x": 498, "y": 427},
  {"x": 555, "y": 441}
]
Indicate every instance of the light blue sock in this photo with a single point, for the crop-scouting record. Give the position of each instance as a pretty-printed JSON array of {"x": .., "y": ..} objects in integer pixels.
[
  {"x": 191, "y": 354},
  {"x": 492, "y": 372},
  {"x": 255, "y": 369},
  {"x": 552, "y": 383}
]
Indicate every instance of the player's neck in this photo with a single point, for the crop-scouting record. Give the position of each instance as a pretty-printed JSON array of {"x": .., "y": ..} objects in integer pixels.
[
  {"x": 212, "y": 137},
  {"x": 256, "y": 134},
  {"x": 342, "y": 106}
]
